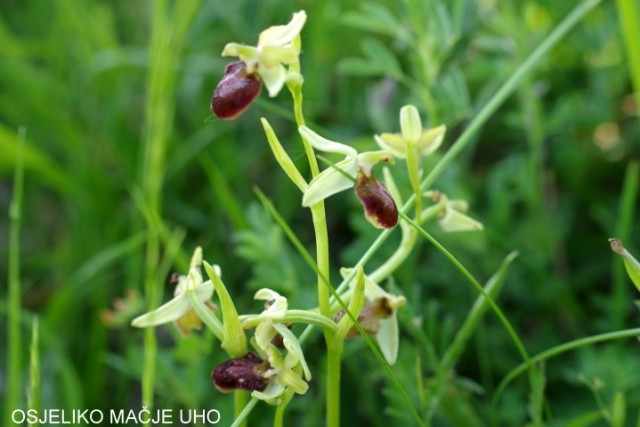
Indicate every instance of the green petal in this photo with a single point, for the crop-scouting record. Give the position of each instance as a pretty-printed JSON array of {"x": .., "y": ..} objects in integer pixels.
[
  {"x": 410, "y": 123},
  {"x": 281, "y": 35},
  {"x": 431, "y": 139},
  {"x": 263, "y": 334},
  {"x": 394, "y": 143},
  {"x": 289, "y": 378},
  {"x": 329, "y": 182},
  {"x": 269, "y": 394},
  {"x": 245, "y": 52},
  {"x": 168, "y": 312},
  {"x": 387, "y": 337},
  {"x": 366, "y": 161},
  {"x": 273, "y": 78},
  {"x": 276, "y": 55},
  {"x": 454, "y": 221},
  {"x": 293, "y": 347},
  {"x": 324, "y": 144}
]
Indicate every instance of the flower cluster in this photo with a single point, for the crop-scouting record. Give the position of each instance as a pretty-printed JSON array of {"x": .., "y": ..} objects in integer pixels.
[{"x": 265, "y": 356}]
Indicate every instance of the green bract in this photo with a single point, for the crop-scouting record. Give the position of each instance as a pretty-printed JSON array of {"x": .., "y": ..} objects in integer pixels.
[{"x": 387, "y": 334}]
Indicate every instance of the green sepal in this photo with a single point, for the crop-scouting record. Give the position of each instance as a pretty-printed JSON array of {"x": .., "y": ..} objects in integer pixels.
[
  {"x": 283, "y": 158},
  {"x": 355, "y": 305},
  {"x": 234, "y": 340}
]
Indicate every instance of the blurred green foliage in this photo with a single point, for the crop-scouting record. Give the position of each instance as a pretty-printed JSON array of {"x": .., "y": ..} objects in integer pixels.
[{"x": 545, "y": 176}]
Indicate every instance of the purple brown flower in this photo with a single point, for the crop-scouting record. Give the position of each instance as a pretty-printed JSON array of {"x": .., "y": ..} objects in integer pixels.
[{"x": 235, "y": 92}]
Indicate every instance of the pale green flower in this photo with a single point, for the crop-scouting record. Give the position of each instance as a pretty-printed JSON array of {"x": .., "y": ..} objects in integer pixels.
[
  {"x": 425, "y": 140},
  {"x": 276, "y": 48},
  {"x": 275, "y": 310},
  {"x": 284, "y": 372},
  {"x": 378, "y": 316},
  {"x": 343, "y": 174},
  {"x": 179, "y": 309},
  {"x": 454, "y": 217}
]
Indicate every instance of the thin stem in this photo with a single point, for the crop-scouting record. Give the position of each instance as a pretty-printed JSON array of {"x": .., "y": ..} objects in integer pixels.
[
  {"x": 557, "y": 350},
  {"x": 14, "y": 334},
  {"x": 242, "y": 416},
  {"x": 240, "y": 398},
  {"x": 322, "y": 260},
  {"x": 34, "y": 376},
  {"x": 294, "y": 316},
  {"x": 503, "y": 319}
]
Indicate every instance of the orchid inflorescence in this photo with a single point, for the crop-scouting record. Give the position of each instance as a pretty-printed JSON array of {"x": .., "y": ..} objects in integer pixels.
[{"x": 271, "y": 364}]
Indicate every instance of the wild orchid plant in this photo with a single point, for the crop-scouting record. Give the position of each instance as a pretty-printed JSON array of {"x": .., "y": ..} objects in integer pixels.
[{"x": 271, "y": 365}]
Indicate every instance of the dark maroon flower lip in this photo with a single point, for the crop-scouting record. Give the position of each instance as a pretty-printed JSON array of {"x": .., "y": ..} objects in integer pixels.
[
  {"x": 236, "y": 91},
  {"x": 379, "y": 207},
  {"x": 242, "y": 373}
]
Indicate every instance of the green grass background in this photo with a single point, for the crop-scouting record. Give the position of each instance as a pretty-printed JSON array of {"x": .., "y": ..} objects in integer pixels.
[{"x": 551, "y": 175}]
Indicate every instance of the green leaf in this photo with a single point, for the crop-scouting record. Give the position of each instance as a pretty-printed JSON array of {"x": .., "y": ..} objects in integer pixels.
[
  {"x": 360, "y": 67},
  {"x": 381, "y": 57}
]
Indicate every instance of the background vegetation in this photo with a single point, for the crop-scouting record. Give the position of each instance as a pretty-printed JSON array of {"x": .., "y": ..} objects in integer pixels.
[{"x": 547, "y": 175}]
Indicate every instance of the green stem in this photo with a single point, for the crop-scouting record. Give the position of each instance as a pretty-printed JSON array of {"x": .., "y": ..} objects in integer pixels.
[
  {"x": 322, "y": 261},
  {"x": 240, "y": 399},
  {"x": 334, "y": 356},
  {"x": 241, "y": 418},
  {"x": 14, "y": 334},
  {"x": 294, "y": 316},
  {"x": 629, "y": 13},
  {"x": 34, "y": 380}
]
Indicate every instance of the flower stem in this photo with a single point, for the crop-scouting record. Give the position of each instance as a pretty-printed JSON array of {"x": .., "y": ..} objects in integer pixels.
[
  {"x": 322, "y": 260},
  {"x": 240, "y": 402}
]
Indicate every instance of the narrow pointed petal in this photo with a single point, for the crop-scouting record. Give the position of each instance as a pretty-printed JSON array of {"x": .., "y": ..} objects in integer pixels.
[
  {"x": 324, "y": 144},
  {"x": 168, "y": 312}
]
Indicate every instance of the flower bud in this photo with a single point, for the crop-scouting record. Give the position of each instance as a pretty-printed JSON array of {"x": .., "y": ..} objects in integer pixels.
[
  {"x": 235, "y": 92},
  {"x": 244, "y": 373},
  {"x": 379, "y": 207}
]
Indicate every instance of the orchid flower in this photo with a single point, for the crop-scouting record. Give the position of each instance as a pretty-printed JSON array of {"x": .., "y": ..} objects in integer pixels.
[
  {"x": 454, "y": 218},
  {"x": 378, "y": 316},
  {"x": 179, "y": 309},
  {"x": 425, "y": 140},
  {"x": 276, "y": 48}
]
